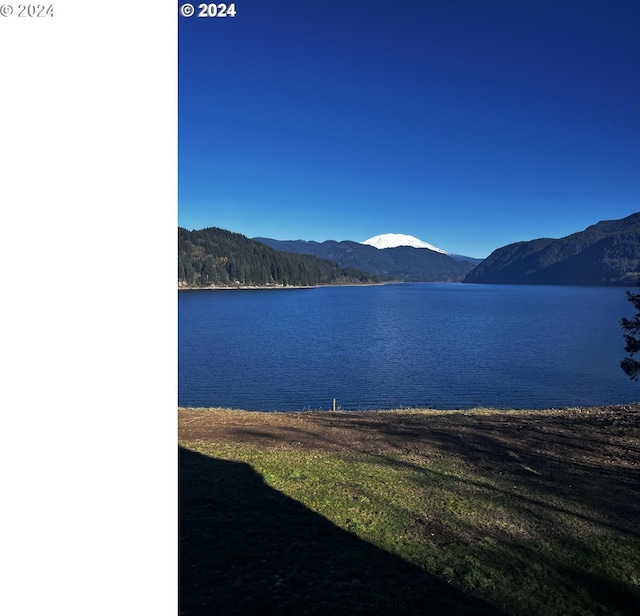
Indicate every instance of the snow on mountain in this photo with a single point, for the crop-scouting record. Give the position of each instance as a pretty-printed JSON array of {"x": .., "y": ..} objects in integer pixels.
[{"x": 393, "y": 240}]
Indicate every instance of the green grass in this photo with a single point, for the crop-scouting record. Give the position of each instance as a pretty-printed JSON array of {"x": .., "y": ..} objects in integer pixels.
[{"x": 537, "y": 541}]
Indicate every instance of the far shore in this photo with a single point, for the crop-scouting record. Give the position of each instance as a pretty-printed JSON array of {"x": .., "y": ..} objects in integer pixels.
[{"x": 280, "y": 286}]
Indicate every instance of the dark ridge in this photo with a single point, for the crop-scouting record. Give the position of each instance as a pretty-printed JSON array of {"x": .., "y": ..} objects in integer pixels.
[{"x": 604, "y": 254}]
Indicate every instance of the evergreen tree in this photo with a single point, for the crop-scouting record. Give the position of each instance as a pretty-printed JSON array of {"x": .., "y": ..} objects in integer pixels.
[
  {"x": 632, "y": 337},
  {"x": 218, "y": 257}
]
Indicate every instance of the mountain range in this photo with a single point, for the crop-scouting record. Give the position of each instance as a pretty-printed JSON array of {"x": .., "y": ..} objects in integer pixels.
[
  {"x": 604, "y": 254},
  {"x": 401, "y": 257}
]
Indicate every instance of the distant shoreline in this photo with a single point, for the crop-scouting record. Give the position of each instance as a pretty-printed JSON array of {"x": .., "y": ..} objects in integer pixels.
[{"x": 284, "y": 287}]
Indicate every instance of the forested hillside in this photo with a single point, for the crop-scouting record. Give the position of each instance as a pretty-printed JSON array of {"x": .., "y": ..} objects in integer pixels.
[
  {"x": 216, "y": 257},
  {"x": 401, "y": 263},
  {"x": 604, "y": 254}
]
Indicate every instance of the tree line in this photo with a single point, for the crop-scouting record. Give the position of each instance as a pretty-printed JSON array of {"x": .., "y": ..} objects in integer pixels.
[{"x": 216, "y": 257}]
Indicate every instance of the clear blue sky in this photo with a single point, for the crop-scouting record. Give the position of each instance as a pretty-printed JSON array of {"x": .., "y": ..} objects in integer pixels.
[{"x": 469, "y": 124}]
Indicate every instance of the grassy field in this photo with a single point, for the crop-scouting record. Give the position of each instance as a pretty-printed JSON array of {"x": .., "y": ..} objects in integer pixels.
[{"x": 414, "y": 512}]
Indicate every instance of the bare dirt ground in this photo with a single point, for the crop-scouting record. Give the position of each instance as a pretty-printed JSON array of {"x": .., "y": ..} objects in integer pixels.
[{"x": 593, "y": 435}]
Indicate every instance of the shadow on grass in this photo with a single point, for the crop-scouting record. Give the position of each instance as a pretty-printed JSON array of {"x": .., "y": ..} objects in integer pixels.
[
  {"x": 584, "y": 468},
  {"x": 573, "y": 487},
  {"x": 245, "y": 548}
]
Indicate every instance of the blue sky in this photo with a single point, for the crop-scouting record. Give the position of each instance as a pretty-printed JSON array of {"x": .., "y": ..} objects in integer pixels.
[{"x": 468, "y": 124}]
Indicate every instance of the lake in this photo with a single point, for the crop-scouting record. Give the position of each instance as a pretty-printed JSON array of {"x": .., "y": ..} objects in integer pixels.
[{"x": 444, "y": 346}]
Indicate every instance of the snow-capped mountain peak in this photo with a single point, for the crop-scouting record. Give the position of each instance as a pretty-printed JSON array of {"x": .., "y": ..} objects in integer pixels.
[{"x": 393, "y": 240}]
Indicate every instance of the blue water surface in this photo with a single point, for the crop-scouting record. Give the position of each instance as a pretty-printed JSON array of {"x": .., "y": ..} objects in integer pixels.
[{"x": 440, "y": 346}]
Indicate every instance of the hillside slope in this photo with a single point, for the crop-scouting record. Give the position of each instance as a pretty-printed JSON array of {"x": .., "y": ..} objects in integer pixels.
[
  {"x": 402, "y": 263},
  {"x": 216, "y": 257},
  {"x": 604, "y": 254}
]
